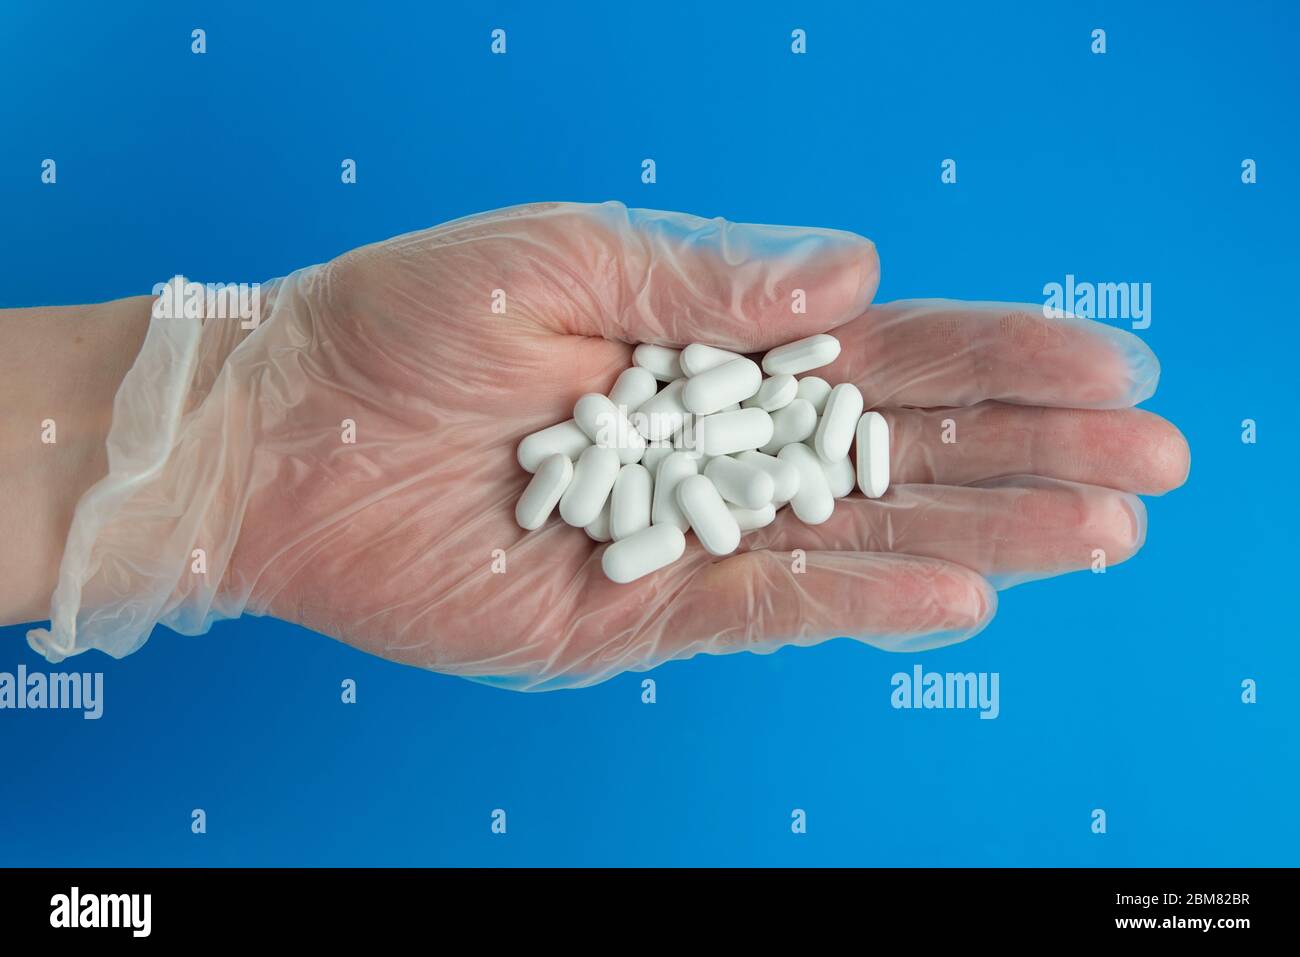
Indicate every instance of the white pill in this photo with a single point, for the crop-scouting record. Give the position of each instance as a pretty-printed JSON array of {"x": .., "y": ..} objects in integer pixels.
[
  {"x": 816, "y": 390},
  {"x": 629, "y": 503},
  {"x": 687, "y": 440},
  {"x": 565, "y": 438},
  {"x": 873, "y": 455},
  {"x": 656, "y": 452},
  {"x": 775, "y": 393},
  {"x": 835, "y": 430},
  {"x": 543, "y": 492},
  {"x": 661, "y": 415},
  {"x": 664, "y": 511},
  {"x": 593, "y": 479},
  {"x": 729, "y": 432},
  {"x": 813, "y": 503},
  {"x": 751, "y": 518},
  {"x": 598, "y": 531},
  {"x": 648, "y": 550},
  {"x": 713, "y": 524},
  {"x": 785, "y": 477},
  {"x": 660, "y": 361},
  {"x": 606, "y": 425},
  {"x": 796, "y": 422},
  {"x": 840, "y": 476},
  {"x": 697, "y": 358},
  {"x": 739, "y": 482},
  {"x": 722, "y": 385},
  {"x": 796, "y": 357},
  {"x": 634, "y": 386}
]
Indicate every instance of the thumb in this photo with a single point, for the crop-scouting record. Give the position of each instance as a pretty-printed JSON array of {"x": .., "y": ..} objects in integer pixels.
[{"x": 642, "y": 275}]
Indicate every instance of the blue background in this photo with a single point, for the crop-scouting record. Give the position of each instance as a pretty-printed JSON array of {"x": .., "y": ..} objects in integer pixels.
[{"x": 1119, "y": 691}]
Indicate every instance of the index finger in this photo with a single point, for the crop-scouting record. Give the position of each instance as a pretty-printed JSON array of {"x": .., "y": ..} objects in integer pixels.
[{"x": 944, "y": 352}]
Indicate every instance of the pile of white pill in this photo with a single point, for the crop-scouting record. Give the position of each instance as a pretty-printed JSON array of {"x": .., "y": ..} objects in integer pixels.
[{"x": 717, "y": 451}]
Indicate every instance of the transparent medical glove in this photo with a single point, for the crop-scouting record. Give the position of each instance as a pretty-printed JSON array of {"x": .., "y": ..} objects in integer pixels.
[{"x": 349, "y": 464}]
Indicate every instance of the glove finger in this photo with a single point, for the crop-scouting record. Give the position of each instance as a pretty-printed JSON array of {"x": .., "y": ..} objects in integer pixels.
[
  {"x": 1127, "y": 449},
  {"x": 641, "y": 275},
  {"x": 1010, "y": 530},
  {"x": 937, "y": 352}
]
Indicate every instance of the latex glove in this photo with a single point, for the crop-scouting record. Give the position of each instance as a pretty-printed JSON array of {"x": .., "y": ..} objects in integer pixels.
[{"x": 232, "y": 442}]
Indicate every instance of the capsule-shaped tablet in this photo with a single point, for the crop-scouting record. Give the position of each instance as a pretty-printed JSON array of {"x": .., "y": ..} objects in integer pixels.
[
  {"x": 606, "y": 425},
  {"x": 796, "y": 422},
  {"x": 785, "y": 477},
  {"x": 749, "y": 519},
  {"x": 712, "y": 523},
  {"x": 637, "y": 555},
  {"x": 873, "y": 455},
  {"x": 565, "y": 438},
  {"x": 722, "y": 385},
  {"x": 697, "y": 358},
  {"x": 838, "y": 422},
  {"x": 664, "y": 511},
  {"x": 840, "y": 476},
  {"x": 656, "y": 452},
  {"x": 775, "y": 393},
  {"x": 802, "y": 355},
  {"x": 634, "y": 386},
  {"x": 593, "y": 479},
  {"x": 543, "y": 491},
  {"x": 629, "y": 502},
  {"x": 660, "y": 361},
  {"x": 598, "y": 531},
  {"x": 729, "y": 432},
  {"x": 813, "y": 503},
  {"x": 816, "y": 390},
  {"x": 661, "y": 415},
  {"x": 739, "y": 482}
]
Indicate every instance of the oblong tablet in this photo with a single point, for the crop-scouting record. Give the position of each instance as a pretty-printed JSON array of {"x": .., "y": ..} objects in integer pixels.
[
  {"x": 712, "y": 523},
  {"x": 785, "y": 477},
  {"x": 544, "y": 491},
  {"x": 796, "y": 422},
  {"x": 638, "y": 555},
  {"x": 838, "y": 422},
  {"x": 629, "y": 502},
  {"x": 813, "y": 503},
  {"x": 697, "y": 358},
  {"x": 598, "y": 531},
  {"x": 662, "y": 414},
  {"x": 840, "y": 476},
  {"x": 565, "y": 438},
  {"x": 775, "y": 393},
  {"x": 729, "y": 432},
  {"x": 664, "y": 510},
  {"x": 634, "y": 386},
  {"x": 593, "y": 479},
  {"x": 873, "y": 455},
  {"x": 751, "y": 518},
  {"x": 816, "y": 390},
  {"x": 660, "y": 361},
  {"x": 722, "y": 385},
  {"x": 802, "y": 355},
  {"x": 605, "y": 424},
  {"x": 740, "y": 483}
]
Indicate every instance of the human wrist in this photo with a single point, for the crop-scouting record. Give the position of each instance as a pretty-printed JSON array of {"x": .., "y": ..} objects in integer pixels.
[{"x": 60, "y": 368}]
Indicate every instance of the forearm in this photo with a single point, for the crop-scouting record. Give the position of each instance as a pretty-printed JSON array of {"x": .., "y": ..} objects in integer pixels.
[{"x": 60, "y": 368}]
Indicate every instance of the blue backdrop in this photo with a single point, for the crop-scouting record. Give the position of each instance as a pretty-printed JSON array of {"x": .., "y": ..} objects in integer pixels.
[{"x": 1119, "y": 691}]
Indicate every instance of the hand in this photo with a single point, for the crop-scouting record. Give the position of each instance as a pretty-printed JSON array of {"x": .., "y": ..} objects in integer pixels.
[{"x": 390, "y": 543}]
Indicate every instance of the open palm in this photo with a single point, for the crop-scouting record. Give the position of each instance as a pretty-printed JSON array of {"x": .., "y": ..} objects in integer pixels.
[{"x": 1015, "y": 450}]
